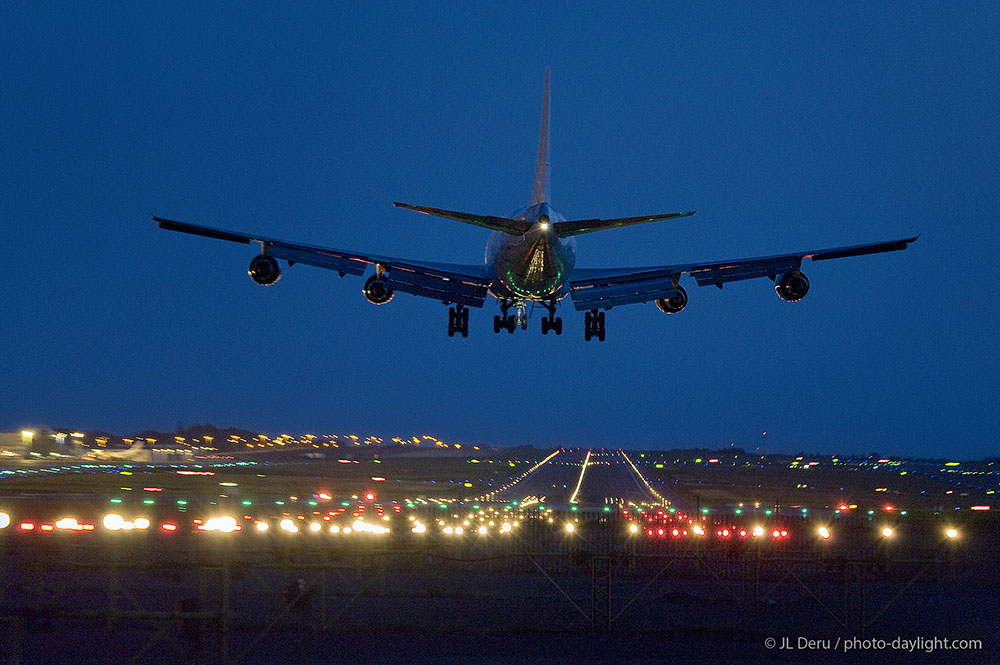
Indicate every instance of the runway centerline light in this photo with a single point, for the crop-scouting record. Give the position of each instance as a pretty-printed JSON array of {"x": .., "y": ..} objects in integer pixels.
[{"x": 113, "y": 521}]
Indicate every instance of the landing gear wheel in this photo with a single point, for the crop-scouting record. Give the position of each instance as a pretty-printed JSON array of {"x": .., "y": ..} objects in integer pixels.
[
  {"x": 498, "y": 323},
  {"x": 551, "y": 322},
  {"x": 594, "y": 325},
  {"x": 458, "y": 321}
]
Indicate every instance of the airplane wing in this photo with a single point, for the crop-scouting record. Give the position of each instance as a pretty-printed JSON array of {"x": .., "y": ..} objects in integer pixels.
[
  {"x": 451, "y": 283},
  {"x": 604, "y": 288}
]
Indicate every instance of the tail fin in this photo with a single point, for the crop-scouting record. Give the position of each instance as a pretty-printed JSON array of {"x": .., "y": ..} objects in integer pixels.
[{"x": 540, "y": 191}]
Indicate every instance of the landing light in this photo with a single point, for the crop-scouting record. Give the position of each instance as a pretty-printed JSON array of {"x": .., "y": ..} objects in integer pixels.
[
  {"x": 951, "y": 532},
  {"x": 887, "y": 532},
  {"x": 824, "y": 533}
]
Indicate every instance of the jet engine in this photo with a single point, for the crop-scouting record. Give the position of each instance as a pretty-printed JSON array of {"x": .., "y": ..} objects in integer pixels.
[
  {"x": 674, "y": 302},
  {"x": 792, "y": 286},
  {"x": 264, "y": 270},
  {"x": 377, "y": 290}
]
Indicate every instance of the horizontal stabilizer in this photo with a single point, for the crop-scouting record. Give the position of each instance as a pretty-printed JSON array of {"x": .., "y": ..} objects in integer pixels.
[
  {"x": 578, "y": 226},
  {"x": 506, "y": 225}
]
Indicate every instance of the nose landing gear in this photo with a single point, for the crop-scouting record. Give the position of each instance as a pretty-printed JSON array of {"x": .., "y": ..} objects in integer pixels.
[{"x": 551, "y": 322}]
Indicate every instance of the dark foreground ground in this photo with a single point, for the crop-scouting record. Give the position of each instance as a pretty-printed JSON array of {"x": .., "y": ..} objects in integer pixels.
[
  {"x": 538, "y": 594},
  {"x": 533, "y": 598}
]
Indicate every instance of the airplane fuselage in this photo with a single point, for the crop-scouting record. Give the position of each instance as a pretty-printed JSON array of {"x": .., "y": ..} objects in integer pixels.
[{"x": 535, "y": 265}]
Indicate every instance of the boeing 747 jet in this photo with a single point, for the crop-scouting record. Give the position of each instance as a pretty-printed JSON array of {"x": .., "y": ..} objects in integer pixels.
[{"x": 531, "y": 258}]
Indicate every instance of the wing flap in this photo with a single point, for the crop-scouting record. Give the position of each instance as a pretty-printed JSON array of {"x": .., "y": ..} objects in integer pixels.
[
  {"x": 448, "y": 288},
  {"x": 595, "y": 295},
  {"x": 342, "y": 262},
  {"x": 719, "y": 273}
]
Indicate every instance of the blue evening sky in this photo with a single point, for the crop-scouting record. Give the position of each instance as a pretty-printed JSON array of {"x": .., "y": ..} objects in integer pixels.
[{"x": 787, "y": 126}]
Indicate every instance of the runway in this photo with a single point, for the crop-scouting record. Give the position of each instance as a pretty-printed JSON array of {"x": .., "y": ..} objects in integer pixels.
[{"x": 608, "y": 478}]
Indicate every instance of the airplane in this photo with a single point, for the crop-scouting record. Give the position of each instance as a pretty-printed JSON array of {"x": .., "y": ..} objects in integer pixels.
[{"x": 531, "y": 258}]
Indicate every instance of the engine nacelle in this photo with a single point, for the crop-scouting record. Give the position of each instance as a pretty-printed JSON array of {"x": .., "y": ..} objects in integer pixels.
[
  {"x": 264, "y": 270},
  {"x": 792, "y": 286},
  {"x": 377, "y": 290},
  {"x": 674, "y": 302}
]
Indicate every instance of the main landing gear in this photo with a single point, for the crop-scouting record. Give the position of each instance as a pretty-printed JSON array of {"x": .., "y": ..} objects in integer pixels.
[
  {"x": 508, "y": 322},
  {"x": 593, "y": 325},
  {"x": 551, "y": 322},
  {"x": 458, "y": 321}
]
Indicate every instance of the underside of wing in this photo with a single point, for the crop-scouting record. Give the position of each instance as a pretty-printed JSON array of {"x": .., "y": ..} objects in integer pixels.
[
  {"x": 446, "y": 282},
  {"x": 604, "y": 288}
]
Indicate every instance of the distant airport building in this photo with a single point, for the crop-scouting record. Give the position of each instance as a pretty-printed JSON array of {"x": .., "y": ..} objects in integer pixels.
[
  {"x": 43, "y": 442},
  {"x": 15, "y": 444}
]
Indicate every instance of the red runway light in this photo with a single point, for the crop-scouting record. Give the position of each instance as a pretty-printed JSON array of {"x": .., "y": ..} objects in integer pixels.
[
  {"x": 27, "y": 526},
  {"x": 169, "y": 527},
  {"x": 48, "y": 527}
]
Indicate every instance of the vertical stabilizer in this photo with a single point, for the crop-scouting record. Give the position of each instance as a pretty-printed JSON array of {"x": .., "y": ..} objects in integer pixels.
[{"x": 540, "y": 191}]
